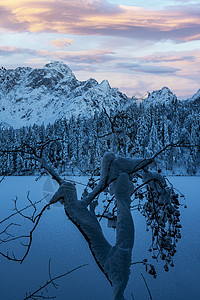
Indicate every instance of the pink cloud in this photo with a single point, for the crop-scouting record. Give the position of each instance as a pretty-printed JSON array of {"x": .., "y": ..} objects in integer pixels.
[
  {"x": 10, "y": 22},
  {"x": 61, "y": 43},
  {"x": 192, "y": 38},
  {"x": 7, "y": 51},
  {"x": 169, "y": 58},
  {"x": 84, "y": 57},
  {"x": 96, "y": 17}
]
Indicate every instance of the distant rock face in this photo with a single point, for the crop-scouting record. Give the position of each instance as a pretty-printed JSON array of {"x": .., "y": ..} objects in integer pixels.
[{"x": 30, "y": 96}]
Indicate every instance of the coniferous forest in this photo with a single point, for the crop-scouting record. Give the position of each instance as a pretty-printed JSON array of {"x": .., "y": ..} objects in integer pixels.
[{"x": 78, "y": 144}]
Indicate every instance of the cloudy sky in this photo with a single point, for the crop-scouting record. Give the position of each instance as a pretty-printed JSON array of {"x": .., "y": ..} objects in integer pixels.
[{"x": 137, "y": 45}]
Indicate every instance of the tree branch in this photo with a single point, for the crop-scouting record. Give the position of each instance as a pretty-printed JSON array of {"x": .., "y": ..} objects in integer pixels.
[
  {"x": 50, "y": 281},
  {"x": 34, "y": 219}
]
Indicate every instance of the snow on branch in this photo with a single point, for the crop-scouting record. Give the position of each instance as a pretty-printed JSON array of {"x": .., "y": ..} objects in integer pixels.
[
  {"x": 111, "y": 168},
  {"x": 113, "y": 261},
  {"x": 120, "y": 178},
  {"x": 117, "y": 174}
]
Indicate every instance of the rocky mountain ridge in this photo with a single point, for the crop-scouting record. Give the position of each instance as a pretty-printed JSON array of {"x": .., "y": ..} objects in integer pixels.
[{"x": 29, "y": 96}]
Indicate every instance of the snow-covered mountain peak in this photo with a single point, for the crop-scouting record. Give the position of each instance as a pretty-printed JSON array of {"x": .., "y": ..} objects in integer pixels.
[
  {"x": 164, "y": 95},
  {"x": 88, "y": 84},
  {"x": 165, "y": 89},
  {"x": 45, "y": 94},
  {"x": 29, "y": 96},
  {"x": 59, "y": 67},
  {"x": 104, "y": 85}
]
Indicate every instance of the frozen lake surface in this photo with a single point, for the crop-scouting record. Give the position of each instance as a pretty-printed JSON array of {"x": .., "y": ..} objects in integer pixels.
[{"x": 57, "y": 238}]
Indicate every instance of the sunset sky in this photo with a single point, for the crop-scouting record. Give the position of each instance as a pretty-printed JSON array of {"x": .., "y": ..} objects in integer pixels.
[{"x": 137, "y": 46}]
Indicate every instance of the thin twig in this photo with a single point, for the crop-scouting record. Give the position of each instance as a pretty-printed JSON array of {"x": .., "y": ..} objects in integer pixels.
[
  {"x": 50, "y": 282},
  {"x": 35, "y": 220},
  {"x": 147, "y": 287}
]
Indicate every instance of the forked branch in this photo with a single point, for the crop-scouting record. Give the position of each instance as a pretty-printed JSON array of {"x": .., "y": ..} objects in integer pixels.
[
  {"x": 34, "y": 218},
  {"x": 39, "y": 293}
]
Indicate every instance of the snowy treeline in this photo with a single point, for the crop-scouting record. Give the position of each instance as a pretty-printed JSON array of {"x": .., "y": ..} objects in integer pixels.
[{"x": 139, "y": 131}]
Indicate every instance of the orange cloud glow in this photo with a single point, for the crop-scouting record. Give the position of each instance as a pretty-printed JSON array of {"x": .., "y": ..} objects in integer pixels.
[
  {"x": 95, "y": 17},
  {"x": 61, "y": 43},
  {"x": 192, "y": 38}
]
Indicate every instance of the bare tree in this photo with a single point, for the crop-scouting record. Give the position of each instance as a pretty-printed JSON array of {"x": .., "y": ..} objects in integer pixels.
[{"x": 124, "y": 180}]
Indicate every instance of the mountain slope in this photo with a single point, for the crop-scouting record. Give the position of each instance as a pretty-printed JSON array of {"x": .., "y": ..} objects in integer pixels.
[
  {"x": 195, "y": 99},
  {"x": 30, "y": 96}
]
